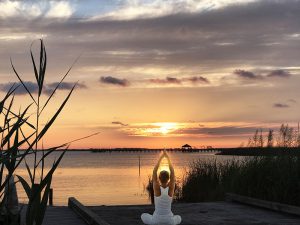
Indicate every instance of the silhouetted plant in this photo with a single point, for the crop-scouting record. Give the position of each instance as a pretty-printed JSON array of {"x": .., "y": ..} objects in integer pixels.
[
  {"x": 273, "y": 178},
  {"x": 13, "y": 136},
  {"x": 285, "y": 136},
  {"x": 270, "y": 138}
]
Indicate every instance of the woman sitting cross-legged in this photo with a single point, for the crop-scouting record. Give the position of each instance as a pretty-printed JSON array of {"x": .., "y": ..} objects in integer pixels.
[{"x": 163, "y": 195}]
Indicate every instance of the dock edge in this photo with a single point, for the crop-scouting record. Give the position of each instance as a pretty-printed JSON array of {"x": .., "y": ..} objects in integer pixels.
[{"x": 85, "y": 213}]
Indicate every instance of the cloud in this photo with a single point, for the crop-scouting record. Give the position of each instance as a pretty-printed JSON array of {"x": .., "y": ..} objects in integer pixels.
[
  {"x": 150, "y": 9},
  {"x": 199, "y": 79},
  {"x": 280, "y": 105},
  {"x": 32, "y": 87},
  {"x": 279, "y": 73},
  {"x": 8, "y": 8},
  {"x": 66, "y": 85},
  {"x": 247, "y": 75},
  {"x": 114, "y": 81},
  {"x": 63, "y": 86},
  {"x": 179, "y": 41},
  {"x": 59, "y": 9},
  {"x": 29, "y": 10},
  {"x": 167, "y": 80},
  {"x": 216, "y": 131},
  {"x": 174, "y": 80},
  {"x": 292, "y": 100},
  {"x": 119, "y": 123}
]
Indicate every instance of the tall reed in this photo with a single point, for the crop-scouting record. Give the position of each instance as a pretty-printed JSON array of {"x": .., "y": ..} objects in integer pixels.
[{"x": 20, "y": 130}]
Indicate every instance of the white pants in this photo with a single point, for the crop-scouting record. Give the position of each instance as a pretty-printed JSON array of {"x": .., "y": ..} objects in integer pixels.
[{"x": 160, "y": 220}]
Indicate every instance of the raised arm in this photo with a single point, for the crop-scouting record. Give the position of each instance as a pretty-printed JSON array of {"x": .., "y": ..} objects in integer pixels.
[
  {"x": 155, "y": 181},
  {"x": 172, "y": 177}
]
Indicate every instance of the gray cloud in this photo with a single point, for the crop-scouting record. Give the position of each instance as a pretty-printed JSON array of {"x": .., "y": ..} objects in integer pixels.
[
  {"x": 280, "y": 105},
  {"x": 63, "y": 86},
  {"x": 222, "y": 130},
  {"x": 292, "y": 100},
  {"x": 66, "y": 85},
  {"x": 173, "y": 80},
  {"x": 114, "y": 81},
  {"x": 199, "y": 79},
  {"x": 181, "y": 39},
  {"x": 247, "y": 74},
  {"x": 279, "y": 73},
  {"x": 32, "y": 87},
  {"x": 167, "y": 80},
  {"x": 119, "y": 123}
]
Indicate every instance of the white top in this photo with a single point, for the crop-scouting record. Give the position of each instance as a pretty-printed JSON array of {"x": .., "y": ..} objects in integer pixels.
[{"x": 163, "y": 203}]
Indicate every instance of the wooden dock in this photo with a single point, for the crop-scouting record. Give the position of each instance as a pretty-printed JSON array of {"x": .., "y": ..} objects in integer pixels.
[
  {"x": 205, "y": 213},
  {"x": 209, "y": 213},
  {"x": 62, "y": 215}
]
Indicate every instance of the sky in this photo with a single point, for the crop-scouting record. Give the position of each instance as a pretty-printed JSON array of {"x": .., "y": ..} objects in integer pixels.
[{"x": 158, "y": 73}]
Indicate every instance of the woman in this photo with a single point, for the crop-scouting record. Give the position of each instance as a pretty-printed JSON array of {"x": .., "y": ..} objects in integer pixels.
[{"x": 163, "y": 195}]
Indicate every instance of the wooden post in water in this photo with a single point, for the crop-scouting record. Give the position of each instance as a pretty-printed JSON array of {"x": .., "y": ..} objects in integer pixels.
[
  {"x": 51, "y": 197},
  {"x": 139, "y": 165}
]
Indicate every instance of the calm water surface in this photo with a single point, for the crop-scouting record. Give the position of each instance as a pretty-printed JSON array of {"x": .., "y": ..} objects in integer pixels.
[{"x": 108, "y": 178}]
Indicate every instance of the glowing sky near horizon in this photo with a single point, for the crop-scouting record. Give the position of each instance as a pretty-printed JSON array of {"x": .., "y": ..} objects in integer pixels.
[{"x": 160, "y": 73}]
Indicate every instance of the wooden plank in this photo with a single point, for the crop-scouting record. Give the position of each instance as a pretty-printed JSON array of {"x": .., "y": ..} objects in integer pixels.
[
  {"x": 279, "y": 207},
  {"x": 86, "y": 214},
  {"x": 204, "y": 213},
  {"x": 61, "y": 215}
]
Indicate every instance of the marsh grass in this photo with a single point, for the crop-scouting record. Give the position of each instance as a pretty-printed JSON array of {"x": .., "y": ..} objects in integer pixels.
[{"x": 272, "y": 178}]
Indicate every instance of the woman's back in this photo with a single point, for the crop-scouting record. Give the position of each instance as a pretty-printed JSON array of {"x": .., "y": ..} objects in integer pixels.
[
  {"x": 163, "y": 202},
  {"x": 162, "y": 197}
]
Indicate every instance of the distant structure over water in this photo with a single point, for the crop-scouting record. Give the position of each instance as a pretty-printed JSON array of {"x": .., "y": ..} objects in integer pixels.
[{"x": 186, "y": 147}]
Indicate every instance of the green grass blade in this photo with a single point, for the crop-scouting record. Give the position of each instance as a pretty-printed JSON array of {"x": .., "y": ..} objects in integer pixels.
[
  {"x": 43, "y": 65},
  {"x": 51, "y": 171},
  {"x": 25, "y": 185},
  {"x": 49, "y": 151},
  {"x": 63, "y": 78},
  {"x": 16, "y": 73},
  {"x": 29, "y": 124},
  {"x": 42, "y": 70},
  {"x": 29, "y": 171},
  {"x": 34, "y": 65},
  {"x": 17, "y": 124},
  {"x": 10, "y": 91},
  {"x": 43, "y": 204},
  {"x": 48, "y": 125}
]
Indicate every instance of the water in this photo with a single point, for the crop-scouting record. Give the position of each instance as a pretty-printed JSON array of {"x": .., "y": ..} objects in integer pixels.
[{"x": 108, "y": 178}]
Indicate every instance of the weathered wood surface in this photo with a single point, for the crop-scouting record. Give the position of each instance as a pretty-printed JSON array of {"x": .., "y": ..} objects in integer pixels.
[
  {"x": 209, "y": 213},
  {"x": 57, "y": 215},
  {"x": 264, "y": 204},
  {"x": 62, "y": 215},
  {"x": 89, "y": 216}
]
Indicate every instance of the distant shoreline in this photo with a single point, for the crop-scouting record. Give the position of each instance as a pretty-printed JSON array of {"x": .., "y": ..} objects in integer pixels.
[{"x": 253, "y": 151}]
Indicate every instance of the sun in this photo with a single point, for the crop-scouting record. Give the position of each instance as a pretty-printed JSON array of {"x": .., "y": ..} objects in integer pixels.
[
  {"x": 157, "y": 129},
  {"x": 165, "y": 128}
]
